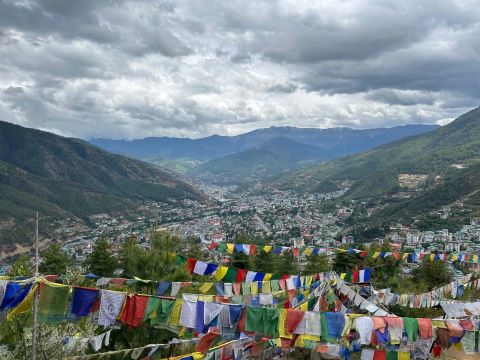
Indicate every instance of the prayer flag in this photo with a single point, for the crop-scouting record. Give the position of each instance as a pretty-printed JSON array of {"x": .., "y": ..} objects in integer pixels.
[
  {"x": 82, "y": 301},
  {"x": 134, "y": 310},
  {"x": 52, "y": 305},
  {"x": 111, "y": 302},
  {"x": 221, "y": 272},
  {"x": 25, "y": 305}
]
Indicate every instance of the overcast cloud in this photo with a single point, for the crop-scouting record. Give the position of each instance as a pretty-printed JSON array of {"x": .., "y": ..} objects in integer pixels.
[{"x": 130, "y": 69}]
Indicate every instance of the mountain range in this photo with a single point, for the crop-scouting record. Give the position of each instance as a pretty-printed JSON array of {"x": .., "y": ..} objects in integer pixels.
[
  {"x": 65, "y": 177},
  {"x": 448, "y": 159},
  {"x": 262, "y": 153}
]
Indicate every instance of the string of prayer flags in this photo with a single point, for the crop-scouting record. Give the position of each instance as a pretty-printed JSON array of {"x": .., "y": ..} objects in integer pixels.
[
  {"x": 231, "y": 275},
  {"x": 252, "y": 249},
  {"x": 432, "y": 298},
  {"x": 306, "y": 326}
]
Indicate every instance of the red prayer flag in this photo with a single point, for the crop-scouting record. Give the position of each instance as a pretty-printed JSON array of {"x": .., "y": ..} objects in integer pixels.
[
  {"x": 379, "y": 355},
  {"x": 294, "y": 318},
  {"x": 241, "y": 274},
  {"x": 355, "y": 277},
  {"x": 253, "y": 249},
  {"x": 134, "y": 310},
  {"x": 295, "y": 252},
  {"x": 118, "y": 281},
  {"x": 191, "y": 265},
  {"x": 206, "y": 342},
  {"x": 212, "y": 246}
]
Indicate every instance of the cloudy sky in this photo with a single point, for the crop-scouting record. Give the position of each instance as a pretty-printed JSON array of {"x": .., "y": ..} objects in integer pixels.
[{"x": 130, "y": 69}]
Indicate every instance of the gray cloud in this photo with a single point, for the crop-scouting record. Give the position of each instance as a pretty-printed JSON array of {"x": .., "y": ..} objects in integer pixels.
[{"x": 128, "y": 69}]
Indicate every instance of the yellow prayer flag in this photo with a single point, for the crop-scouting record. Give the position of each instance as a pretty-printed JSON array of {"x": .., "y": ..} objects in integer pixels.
[
  {"x": 221, "y": 272},
  {"x": 266, "y": 287},
  {"x": 282, "y": 319},
  {"x": 343, "y": 275},
  {"x": 267, "y": 277},
  {"x": 267, "y": 248},
  {"x": 432, "y": 257},
  {"x": 475, "y": 258},
  {"x": 308, "y": 251},
  {"x": 206, "y": 298},
  {"x": 230, "y": 248},
  {"x": 254, "y": 287},
  {"x": 205, "y": 287},
  {"x": 310, "y": 337},
  {"x": 309, "y": 280},
  {"x": 454, "y": 257},
  {"x": 404, "y": 256},
  {"x": 175, "y": 313},
  {"x": 304, "y": 306},
  {"x": 376, "y": 254},
  {"x": 25, "y": 305}
]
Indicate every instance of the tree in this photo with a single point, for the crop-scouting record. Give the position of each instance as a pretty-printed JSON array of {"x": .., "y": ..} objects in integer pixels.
[
  {"x": 345, "y": 261},
  {"x": 101, "y": 262},
  {"x": 240, "y": 260},
  {"x": 316, "y": 264},
  {"x": 433, "y": 274},
  {"x": 133, "y": 259},
  {"x": 54, "y": 260},
  {"x": 23, "y": 266},
  {"x": 287, "y": 263},
  {"x": 161, "y": 258},
  {"x": 264, "y": 261}
]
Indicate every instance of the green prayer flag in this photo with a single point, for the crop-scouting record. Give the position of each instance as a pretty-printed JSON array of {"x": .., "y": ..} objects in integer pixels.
[
  {"x": 392, "y": 355},
  {"x": 275, "y": 285},
  {"x": 276, "y": 276},
  {"x": 270, "y": 321},
  {"x": 230, "y": 276},
  {"x": 324, "y": 329},
  {"x": 152, "y": 305},
  {"x": 254, "y": 319},
  {"x": 411, "y": 327},
  {"x": 311, "y": 303},
  {"x": 348, "y": 277},
  {"x": 180, "y": 260},
  {"x": 52, "y": 305},
  {"x": 245, "y": 289},
  {"x": 222, "y": 247},
  {"x": 163, "y": 312}
]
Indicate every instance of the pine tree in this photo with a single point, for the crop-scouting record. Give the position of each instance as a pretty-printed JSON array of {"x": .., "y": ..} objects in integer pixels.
[
  {"x": 344, "y": 262},
  {"x": 316, "y": 264},
  {"x": 240, "y": 261},
  {"x": 265, "y": 262},
  {"x": 23, "y": 266},
  {"x": 287, "y": 263},
  {"x": 433, "y": 274},
  {"x": 101, "y": 262},
  {"x": 54, "y": 260},
  {"x": 133, "y": 259}
]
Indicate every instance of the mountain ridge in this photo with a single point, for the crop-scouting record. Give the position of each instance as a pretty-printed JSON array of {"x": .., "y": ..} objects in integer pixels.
[
  {"x": 448, "y": 158},
  {"x": 68, "y": 177},
  {"x": 214, "y": 146}
]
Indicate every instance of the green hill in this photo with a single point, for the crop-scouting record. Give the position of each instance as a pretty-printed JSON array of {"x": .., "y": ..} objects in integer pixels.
[
  {"x": 271, "y": 158},
  {"x": 375, "y": 172},
  {"x": 64, "y": 177}
]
